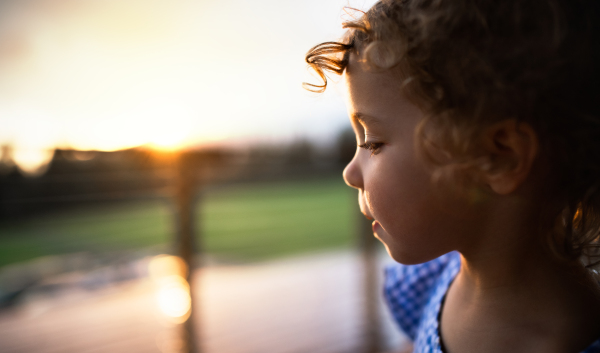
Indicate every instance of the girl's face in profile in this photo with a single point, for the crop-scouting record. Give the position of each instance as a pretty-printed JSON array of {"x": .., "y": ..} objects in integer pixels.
[{"x": 415, "y": 219}]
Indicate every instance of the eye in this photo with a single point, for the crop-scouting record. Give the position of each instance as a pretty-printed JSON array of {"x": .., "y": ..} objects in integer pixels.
[{"x": 374, "y": 147}]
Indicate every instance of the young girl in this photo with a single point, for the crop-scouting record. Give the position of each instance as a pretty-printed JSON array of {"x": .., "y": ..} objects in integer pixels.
[{"x": 478, "y": 160}]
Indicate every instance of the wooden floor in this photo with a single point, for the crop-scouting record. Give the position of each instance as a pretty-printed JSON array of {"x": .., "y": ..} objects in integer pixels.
[{"x": 306, "y": 304}]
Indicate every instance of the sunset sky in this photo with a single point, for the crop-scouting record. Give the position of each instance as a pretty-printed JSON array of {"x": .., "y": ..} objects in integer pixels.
[{"x": 113, "y": 74}]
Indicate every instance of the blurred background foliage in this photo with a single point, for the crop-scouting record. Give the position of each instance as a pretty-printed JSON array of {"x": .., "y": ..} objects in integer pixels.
[
  {"x": 242, "y": 222},
  {"x": 254, "y": 204}
]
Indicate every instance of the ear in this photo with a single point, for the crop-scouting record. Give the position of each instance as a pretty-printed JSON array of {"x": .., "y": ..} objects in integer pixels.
[{"x": 511, "y": 148}]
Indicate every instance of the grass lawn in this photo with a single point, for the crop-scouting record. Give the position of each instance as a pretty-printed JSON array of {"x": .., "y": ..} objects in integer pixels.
[{"x": 238, "y": 222}]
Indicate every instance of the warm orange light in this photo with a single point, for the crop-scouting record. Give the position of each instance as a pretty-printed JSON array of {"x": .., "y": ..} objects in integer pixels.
[
  {"x": 174, "y": 298},
  {"x": 162, "y": 266},
  {"x": 110, "y": 75},
  {"x": 32, "y": 161},
  {"x": 173, "y": 291}
]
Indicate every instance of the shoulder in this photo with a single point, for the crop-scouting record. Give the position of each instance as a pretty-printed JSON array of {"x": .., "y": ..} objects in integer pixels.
[{"x": 408, "y": 288}]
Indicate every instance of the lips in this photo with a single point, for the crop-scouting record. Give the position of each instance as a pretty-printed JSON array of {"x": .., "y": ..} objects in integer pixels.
[{"x": 375, "y": 226}]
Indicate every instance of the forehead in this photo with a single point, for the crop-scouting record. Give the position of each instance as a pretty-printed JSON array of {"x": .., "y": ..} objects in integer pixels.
[{"x": 375, "y": 93}]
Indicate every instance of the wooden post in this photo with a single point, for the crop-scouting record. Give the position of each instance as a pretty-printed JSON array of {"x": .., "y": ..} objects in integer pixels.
[
  {"x": 368, "y": 245},
  {"x": 185, "y": 246}
]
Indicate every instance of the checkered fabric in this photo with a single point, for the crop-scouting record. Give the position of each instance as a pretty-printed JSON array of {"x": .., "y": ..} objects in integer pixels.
[
  {"x": 414, "y": 294},
  {"x": 594, "y": 348}
]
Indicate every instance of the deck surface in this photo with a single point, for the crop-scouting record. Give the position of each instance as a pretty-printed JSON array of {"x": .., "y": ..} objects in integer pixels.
[{"x": 305, "y": 304}]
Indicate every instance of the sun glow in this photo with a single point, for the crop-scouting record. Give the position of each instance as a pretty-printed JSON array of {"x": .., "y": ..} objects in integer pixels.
[
  {"x": 167, "y": 123},
  {"x": 173, "y": 291},
  {"x": 32, "y": 161},
  {"x": 174, "y": 298},
  {"x": 109, "y": 74}
]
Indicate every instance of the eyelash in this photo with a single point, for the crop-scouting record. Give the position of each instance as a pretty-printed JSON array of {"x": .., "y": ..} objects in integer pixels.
[{"x": 374, "y": 147}]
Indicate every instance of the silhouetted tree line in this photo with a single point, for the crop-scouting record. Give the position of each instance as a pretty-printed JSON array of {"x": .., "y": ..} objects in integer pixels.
[{"x": 76, "y": 178}]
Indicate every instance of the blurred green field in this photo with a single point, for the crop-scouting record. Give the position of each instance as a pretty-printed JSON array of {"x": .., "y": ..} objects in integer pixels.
[{"x": 247, "y": 222}]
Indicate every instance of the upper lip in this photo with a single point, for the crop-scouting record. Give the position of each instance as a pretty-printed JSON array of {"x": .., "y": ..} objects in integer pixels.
[{"x": 363, "y": 205}]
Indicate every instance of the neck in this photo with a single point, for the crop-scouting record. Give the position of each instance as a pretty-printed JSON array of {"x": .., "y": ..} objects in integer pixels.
[
  {"x": 502, "y": 267},
  {"x": 510, "y": 285},
  {"x": 509, "y": 251}
]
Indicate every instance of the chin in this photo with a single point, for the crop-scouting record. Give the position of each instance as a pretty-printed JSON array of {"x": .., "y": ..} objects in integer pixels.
[
  {"x": 410, "y": 257},
  {"x": 411, "y": 250}
]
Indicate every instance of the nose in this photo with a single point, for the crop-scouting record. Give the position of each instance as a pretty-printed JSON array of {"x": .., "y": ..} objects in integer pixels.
[{"x": 352, "y": 174}]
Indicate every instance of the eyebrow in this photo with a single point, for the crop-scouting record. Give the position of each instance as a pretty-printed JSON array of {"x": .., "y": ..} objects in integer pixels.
[{"x": 365, "y": 119}]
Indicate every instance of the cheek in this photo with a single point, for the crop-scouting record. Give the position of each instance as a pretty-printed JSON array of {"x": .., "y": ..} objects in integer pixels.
[
  {"x": 403, "y": 200},
  {"x": 397, "y": 193},
  {"x": 421, "y": 221}
]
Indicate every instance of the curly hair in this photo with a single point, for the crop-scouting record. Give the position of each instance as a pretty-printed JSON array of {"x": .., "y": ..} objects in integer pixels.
[{"x": 470, "y": 63}]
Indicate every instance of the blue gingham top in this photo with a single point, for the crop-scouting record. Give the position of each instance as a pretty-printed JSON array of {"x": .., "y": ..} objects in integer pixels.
[{"x": 414, "y": 294}]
